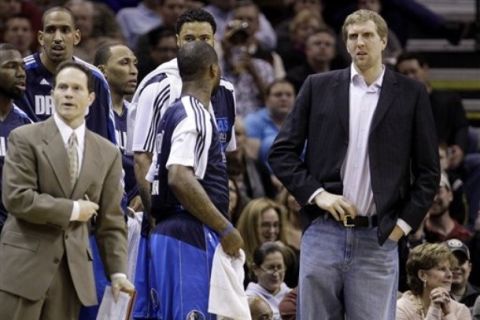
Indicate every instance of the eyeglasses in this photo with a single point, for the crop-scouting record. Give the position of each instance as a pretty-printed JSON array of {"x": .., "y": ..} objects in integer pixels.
[{"x": 271, "y": 271}]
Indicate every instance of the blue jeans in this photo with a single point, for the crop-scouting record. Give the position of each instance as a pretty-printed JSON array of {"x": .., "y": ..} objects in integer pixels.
[{"x": 346, "y": 274}]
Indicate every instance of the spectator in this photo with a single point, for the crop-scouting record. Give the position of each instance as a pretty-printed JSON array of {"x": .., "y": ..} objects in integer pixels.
[
  {"x": 162, "y": 47},
  {"x": 293, "y": 227},
  {"x": 269, "y": 268},
  {"x": 221, "y": 10},
  {"x": 462, "y": 290},
  {"x": 429, "y": 277},
  {"x": 248, "y": 12},
  {"x": 452, "y": 129},
  {"x": 288, "y": 306},
  {"x": 319, "y": 53},
  {"x": 84, "y": 14},
  {"x": 292, "y": 48},
  {"x": 18, "y": 32},
  {"x": 259, "y": 309},
  {"x": 58, "y": 38},
  {"x": 12, "y": 73},
  {"x": 249, "y": 75},
  {"x": 148, "y": 15},
  {"x": 263, "y": 125},
  {"x": 439, "y": 225}
]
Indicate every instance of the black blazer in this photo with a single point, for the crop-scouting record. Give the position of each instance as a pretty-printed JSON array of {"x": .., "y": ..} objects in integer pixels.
[{"x": 402, "y": 147}]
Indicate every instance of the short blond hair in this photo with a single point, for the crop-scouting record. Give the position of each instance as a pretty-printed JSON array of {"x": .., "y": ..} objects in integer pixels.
[
  {"x": 362, "y": 16},
  {"x": 425, "y": 257}
]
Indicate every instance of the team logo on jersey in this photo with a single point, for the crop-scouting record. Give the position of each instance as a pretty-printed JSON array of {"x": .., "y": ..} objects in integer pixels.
[
  {"x": 195, "y": 315},
  {"x": 43, "y": 105}
]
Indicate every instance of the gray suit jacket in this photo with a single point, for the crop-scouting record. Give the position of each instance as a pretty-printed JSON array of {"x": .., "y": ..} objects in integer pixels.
[{"x": 39, "y": 198}]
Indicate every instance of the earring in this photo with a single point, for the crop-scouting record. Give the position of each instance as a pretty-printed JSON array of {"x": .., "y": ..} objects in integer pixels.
[{"x": 424, "y": 283}]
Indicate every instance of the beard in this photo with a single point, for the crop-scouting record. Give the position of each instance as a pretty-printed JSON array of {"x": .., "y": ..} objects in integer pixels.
[{"x": 12, "y": 93}]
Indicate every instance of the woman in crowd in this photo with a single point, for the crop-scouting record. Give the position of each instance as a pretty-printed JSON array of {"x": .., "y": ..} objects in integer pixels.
[
  {"x": 429, "y": 277},
  {"x": 269, "y": 269}
]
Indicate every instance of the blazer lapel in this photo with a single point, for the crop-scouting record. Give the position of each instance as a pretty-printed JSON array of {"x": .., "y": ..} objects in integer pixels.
[
  {"x": 388, "y": 92},
  {"x": 56, "y": 155},
  {"x": 341, "y": 88},
  {"x": 91, "y": 156}
]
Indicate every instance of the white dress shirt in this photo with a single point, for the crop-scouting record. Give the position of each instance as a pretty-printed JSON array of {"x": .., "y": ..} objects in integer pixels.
[{"x": 65, "y": 132}]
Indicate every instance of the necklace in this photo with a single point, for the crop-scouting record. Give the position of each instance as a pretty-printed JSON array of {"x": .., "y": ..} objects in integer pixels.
[{"x": 420, "y": 307}]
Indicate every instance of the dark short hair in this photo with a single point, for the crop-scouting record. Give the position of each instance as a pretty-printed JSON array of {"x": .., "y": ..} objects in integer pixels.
[
  {"x": 83, "y": 68},
  {"x": 194, "y": 59},
  {"x": 155, "y": 35},
  {"x": 18, "y": 16},
  {"x": 195, "y": 15},
  {"x": 411, "y": 56},
  {"x": 55, "y": 9},
  {"x": 264, "y": 250},
  {"x": 275, "y": 82}
]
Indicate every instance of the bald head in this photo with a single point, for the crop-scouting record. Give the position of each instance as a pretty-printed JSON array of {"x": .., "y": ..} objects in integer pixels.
[{"x": 195, "y": 59}]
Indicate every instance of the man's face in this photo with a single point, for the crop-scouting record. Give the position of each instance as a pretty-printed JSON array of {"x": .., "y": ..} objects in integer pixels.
[
  {"x": 165, "y": 50},
  {"x": 18, "y": 32},
  {"x": 170, "y": 10},
  {"x": 320, "y": 47},
  {"x": 71, "y": 96},
  {"x": 412, "y": 69},
  {"x": 9, "y": 8},
  {"x": 248, "y": 14},
  {"x": 462, "y": 272},
  {"x": 365, "y": 45},
  {"x": 441, "y": 202},
  {"x": 280, "y": 99},
  {"x": 121, "y": 70},
  {"x": 195, "y": 31},
  {"x": 58, "y": 36},
  {"x": 83, "y": 14},
  {"x": 12, "y": 73}
]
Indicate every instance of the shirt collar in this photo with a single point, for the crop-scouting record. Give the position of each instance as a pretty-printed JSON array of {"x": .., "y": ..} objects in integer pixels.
[
  {"x": 356, "y": 78},
  {"x": 66, "y": 130}
]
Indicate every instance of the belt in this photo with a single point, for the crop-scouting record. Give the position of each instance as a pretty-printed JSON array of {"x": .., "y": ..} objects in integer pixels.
[{"x": 357, "y": 222}]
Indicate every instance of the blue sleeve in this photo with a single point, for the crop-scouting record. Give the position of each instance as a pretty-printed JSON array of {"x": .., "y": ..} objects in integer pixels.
[
  {"x": 100, "y": 118},
  {"x": 253, "y": 127}
]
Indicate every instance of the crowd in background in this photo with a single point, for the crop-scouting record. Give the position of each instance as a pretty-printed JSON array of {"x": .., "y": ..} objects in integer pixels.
[{"x": 266, "y": 52}]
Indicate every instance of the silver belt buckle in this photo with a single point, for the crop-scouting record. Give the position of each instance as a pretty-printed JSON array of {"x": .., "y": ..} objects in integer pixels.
[{"x": 348, "y": 221}]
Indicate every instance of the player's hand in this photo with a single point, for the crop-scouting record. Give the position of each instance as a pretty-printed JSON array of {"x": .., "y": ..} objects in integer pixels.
[
  {"x": 336, "y": 205},
  {"x": 396, "y": 234},
  {"x": 232, "y": 242},
  {"x": 87, "y": 210},
  {"x": 136, "y": 204}
]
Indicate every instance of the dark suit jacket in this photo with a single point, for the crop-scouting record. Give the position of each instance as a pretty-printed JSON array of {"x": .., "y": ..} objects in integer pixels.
[
  {"x": 402, "y": 148},
  {"x": 38, "y": 195}
]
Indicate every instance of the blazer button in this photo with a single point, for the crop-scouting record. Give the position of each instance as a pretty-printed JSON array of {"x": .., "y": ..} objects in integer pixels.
[{"x": 56, "y": 260}]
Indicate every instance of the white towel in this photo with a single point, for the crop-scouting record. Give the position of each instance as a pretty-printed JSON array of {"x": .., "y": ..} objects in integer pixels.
[
  {"x": 134, "y": 230},
  {"x": 227, "y": 297}
]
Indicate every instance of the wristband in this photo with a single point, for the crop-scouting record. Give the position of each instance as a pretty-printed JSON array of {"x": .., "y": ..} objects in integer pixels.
[{"x": 227, "y": 230}]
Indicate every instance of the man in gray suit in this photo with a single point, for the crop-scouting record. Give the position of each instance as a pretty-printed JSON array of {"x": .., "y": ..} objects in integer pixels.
[
  {"x": 58, "y": 175},
  {"x": 368, "y": 177}
]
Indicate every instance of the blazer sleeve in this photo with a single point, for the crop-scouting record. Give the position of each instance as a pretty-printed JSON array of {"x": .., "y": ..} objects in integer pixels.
[
  {"x": 111, "y": 229},
  {"x": 286, "y": 151},
  {"x": 20, "y": 194},
  {"x": 425, "y": 165}
]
